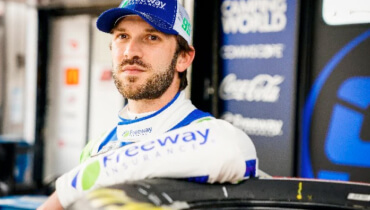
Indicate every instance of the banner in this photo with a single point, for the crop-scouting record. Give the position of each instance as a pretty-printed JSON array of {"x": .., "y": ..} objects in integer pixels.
[{"x": 258, "y": 84}]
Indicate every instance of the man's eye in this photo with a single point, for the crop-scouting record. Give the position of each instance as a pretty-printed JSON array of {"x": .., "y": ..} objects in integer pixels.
[
  {"x": 153, "y": 37},
  {"x": 122, "y": 36}
]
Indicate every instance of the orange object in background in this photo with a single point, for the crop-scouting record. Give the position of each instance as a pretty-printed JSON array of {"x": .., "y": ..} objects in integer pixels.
[{"x": 72, "y": 76}]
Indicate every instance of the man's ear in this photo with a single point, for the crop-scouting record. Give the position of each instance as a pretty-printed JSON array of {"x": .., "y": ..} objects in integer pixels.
[{"x": 184, "y": 60}]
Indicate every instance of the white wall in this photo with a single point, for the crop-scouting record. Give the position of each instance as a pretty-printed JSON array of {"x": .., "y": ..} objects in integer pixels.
[
  {"x": 20, "y": 66},
  {"x": 66, "y": 116},
  {"x": 2, "y": 55}
]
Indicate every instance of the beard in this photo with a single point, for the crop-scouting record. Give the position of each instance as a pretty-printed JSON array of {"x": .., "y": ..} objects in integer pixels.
[{"x": 153, "y": 87}]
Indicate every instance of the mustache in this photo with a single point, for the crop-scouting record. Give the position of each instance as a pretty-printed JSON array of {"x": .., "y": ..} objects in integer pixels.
[{"x": 132, "y": 61}]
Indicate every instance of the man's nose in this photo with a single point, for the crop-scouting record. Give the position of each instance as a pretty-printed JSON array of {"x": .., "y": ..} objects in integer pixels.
[{"x": 133, "y": 49}]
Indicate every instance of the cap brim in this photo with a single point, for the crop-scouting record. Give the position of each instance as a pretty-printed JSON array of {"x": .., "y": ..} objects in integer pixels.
[{"x": 107, "y": 20}]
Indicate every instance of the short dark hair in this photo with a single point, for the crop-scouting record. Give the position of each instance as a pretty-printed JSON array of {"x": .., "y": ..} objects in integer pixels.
[{"x": 183, "y": 47}]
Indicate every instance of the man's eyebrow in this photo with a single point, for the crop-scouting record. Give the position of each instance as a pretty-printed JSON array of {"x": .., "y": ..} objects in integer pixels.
[
  {"x": 152, "y": 30},
  {"x": 148, "y": 30},
  {"x": 118, "y": 29}
]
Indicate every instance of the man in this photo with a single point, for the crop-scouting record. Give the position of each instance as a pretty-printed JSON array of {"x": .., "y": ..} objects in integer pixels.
[{"x": 159, "y": 133}]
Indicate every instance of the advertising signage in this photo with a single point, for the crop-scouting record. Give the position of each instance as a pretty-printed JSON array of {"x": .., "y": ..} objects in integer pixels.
[{"x": 258, "y": 82}]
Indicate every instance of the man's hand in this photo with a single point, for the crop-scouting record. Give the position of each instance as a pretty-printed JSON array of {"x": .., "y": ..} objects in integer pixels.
[{"x": 51, "y": 203}]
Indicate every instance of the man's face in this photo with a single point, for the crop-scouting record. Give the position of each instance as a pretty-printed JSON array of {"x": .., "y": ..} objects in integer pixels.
[{"x": 144, "y": 59}]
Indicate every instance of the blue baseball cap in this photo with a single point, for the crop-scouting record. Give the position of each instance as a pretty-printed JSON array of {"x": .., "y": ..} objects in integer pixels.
[{"x": 167, "y": 16}]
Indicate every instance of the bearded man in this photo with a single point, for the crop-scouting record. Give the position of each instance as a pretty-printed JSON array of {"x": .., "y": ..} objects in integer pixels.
[{"x": 160, "y": 133}]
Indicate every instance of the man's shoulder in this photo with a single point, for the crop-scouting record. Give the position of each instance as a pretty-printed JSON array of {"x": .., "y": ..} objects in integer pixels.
[{"x": 195, "y": 116}]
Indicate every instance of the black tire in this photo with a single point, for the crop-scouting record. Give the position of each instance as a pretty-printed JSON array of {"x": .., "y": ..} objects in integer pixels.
[{"x": 249, "y": 194}]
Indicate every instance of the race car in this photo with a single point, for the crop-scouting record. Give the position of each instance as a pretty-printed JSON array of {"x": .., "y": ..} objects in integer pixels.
[{"x": 254, "y": 193}]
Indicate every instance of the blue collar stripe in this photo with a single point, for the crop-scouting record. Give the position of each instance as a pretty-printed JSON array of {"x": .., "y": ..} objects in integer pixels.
[
  {"x": 127, "y": 121},
  {"x": 194, "y": 115}
]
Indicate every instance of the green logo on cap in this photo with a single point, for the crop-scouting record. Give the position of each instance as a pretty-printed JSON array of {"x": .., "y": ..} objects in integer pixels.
[
  {"x": 186, "y": 26},
  {"x": 124, "y": 3}
]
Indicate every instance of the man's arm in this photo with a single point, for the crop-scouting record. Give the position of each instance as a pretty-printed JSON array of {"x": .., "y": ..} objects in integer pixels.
[{"x": 213, "y": 151}]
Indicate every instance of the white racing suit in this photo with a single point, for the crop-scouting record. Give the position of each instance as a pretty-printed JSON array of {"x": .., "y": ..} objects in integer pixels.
[{"x": 178, "y": 141}]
